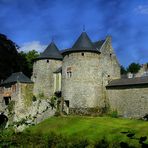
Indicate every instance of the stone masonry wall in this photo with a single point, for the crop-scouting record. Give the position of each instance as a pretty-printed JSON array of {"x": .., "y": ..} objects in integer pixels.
[
  {"x": 83, "y": 88},
  {"x": 23, "y": 100},
  {"x": 129, "y": 102},
  {"x": 108, "y": 60},
  {"x": 43, "y": 77}
]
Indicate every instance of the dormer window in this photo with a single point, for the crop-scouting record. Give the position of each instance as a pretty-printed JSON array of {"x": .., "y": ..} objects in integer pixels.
[{"x": 69, "y": 72}]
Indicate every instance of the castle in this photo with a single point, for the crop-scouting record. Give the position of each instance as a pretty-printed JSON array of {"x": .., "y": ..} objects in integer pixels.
[{"x": 87, "y": 77}]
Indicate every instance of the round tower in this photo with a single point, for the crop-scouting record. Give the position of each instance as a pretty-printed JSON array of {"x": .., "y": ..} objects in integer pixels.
[
  {"x": 44, "y": 67},
  {"x": 81, "y": 76}
]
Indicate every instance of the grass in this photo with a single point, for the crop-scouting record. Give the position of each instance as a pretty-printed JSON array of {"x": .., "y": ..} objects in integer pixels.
[
  {"x": 93, "y": 128},
  {"x": 78, "y": 131}
]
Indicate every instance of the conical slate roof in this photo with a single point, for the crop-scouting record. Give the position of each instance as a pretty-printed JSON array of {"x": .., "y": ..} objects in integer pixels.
[
  {"x": 17, "y": 77},
  {"x": 51, "y": 52},
  {"x": 83, "y": 43}
]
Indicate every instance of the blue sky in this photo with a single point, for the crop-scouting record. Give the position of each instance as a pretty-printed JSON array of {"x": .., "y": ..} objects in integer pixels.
[{"x": 32, "y": 23}]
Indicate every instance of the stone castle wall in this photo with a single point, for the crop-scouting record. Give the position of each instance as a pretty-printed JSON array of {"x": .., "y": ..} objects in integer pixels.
[
  {"x": 90, "y": 73},
  {"x": 43, "y": 77},
  {"x": 23, "y": 100},
  {"x": 109, "y": 62},
  {"x": 129, "y": 101},
  {"x": 83, "y": 88}
]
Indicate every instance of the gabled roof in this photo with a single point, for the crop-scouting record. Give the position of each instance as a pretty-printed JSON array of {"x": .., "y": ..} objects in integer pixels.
[
  {"x": 128, "y": 82},
  {"x": 51, "y": 52},
  {"x": 17, "y": 77},
  {"x": 98, "y": 44},
  {"x": 83, "y": 43}
]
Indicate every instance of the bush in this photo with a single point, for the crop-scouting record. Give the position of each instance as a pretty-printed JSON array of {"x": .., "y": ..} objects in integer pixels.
[
  {"x": 79, "y": 143},
  {"x": 41, "y": 95},
  {"x": 114, "y": 114},
  {"x": 11, "y": 106},
  {"x": 34, "y": 99},
  {"x": 103, "y": 143}
]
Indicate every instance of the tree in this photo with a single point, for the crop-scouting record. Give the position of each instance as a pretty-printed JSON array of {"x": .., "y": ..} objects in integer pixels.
[
  {"x": 134, "y": 67},
  {"x": 9, "y": 59},
  {"x": 123, "y": 70},
  {"x": 26, "y": 60}
]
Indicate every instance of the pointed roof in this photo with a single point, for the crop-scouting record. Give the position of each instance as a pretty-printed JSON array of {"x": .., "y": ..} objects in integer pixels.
[
  {"x": 17, "y": 77},
  {"x": 83, "y": 43},
  {"x": 51, "y": 52}
]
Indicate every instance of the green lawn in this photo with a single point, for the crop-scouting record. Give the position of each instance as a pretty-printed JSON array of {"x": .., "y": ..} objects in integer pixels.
[{"x": 93, "y": 128}]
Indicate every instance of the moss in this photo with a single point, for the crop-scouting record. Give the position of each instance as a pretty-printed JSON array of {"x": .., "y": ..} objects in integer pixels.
[
  {"x": 27, "y": 94},
  {"x": 11, "y": 106},
  {"x": 41, "y": 95}
]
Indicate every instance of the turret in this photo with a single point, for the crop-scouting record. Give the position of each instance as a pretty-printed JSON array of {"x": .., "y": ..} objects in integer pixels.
[{"x": 43, "y": 71}]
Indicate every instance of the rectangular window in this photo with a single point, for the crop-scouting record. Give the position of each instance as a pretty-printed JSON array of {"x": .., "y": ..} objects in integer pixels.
[{"x": 69, "y": 72}]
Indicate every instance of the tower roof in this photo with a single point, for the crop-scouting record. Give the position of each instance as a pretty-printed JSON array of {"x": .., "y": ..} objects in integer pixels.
[
  {"x": 51, "y": 52},
  {"x": 83, "y": 43},
  {"x": 17, "y": 77}
]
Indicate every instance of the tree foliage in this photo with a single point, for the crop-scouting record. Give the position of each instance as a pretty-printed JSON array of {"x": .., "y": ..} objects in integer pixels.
[
  {"x": 9, "y": 59},
  {"x": 134, "y": 67},
  {"x": 26, "y": 60},
  {"x": 123, "y": 70},
  {"x": 13, "y": 61}
]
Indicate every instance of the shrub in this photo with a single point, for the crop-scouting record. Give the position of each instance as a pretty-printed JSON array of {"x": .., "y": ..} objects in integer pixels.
[
  {"x": 41, "y": 95},
  {"x": 11, "y": 106},
  {"x": 103, "y": 143},
  {"x": 114, "y": 114},
  {"x": 34, "y": 98},
  {"x": 79, "y": 143}
]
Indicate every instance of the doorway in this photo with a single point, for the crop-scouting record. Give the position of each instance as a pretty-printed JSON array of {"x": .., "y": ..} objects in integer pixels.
[{"x": 7, "y": 100}]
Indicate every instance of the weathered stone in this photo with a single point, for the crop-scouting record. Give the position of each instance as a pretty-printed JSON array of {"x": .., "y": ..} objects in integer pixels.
[
  {"x": 90, "y": 73},
  {"x": 129, "y": 101}
]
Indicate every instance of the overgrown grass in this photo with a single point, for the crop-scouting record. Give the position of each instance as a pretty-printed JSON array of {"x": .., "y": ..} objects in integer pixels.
[
  {"x": 93, "y": 128},
  {"x": 76, "y": 131}
]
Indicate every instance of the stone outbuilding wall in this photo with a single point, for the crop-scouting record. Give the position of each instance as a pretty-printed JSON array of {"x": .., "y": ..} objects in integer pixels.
[{"x": 129, "y": 101}]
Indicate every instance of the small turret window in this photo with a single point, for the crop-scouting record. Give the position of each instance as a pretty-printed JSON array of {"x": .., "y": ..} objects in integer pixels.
[
  {"x": 69, "y": 72},
  {"x": 82, "y": 53},
  {"x": 47, "y": 61}
]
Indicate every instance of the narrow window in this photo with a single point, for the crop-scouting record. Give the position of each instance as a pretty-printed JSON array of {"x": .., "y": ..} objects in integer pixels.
[
  {"x": 82, "y": 54},
  {"x": 47, "y": 61},
  {"x": 69, "y": 72}
]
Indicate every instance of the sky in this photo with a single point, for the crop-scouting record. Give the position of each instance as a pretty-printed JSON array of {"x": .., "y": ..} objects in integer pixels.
[{"x": 32, "y": 24}]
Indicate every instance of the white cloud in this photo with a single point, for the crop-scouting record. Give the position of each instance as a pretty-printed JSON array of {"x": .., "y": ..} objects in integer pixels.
[
  {"x": 142, "y": 9},
  {"x": 36, "y": 45}
]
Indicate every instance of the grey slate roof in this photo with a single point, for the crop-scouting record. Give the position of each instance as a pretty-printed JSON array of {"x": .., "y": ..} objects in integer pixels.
[
  {"x": 17, "y": 77},
  {"x": 99, "y": 44},
  {"x": 128, "y": 82},
  {"x": 59, "y": 70},
  {"x": 51, "y": 52},
  {"x": 83, "y": 43}
]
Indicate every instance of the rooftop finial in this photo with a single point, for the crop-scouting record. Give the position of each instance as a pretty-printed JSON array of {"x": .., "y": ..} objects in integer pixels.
[{"x": 83, "y": 28}]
